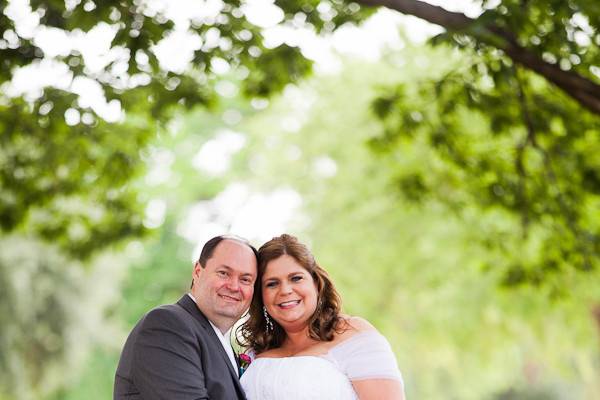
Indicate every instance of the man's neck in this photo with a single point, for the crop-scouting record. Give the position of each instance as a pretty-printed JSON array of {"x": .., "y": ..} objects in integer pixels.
[{"x": 220, "y": 328}]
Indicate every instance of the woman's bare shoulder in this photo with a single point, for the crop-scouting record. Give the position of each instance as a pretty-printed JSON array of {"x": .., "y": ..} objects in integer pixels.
[{"x": 351, "y": 325}]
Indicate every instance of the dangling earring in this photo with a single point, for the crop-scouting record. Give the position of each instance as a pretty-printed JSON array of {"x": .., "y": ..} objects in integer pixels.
[{"x": 269, "y": 324}]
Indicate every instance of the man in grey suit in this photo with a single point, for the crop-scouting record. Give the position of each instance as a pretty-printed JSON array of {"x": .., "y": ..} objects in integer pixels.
[{"x": 181, "y": 351}]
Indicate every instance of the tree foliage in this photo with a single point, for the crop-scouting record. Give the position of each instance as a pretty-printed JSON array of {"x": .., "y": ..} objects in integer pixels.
[
  {"x": 51, "y": 309},
  {"x": 529, "y": 150},
  {"x": 47, "y": 166}
]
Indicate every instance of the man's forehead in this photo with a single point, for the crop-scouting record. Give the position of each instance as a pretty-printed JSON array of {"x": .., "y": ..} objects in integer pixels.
[
  {"x": 232, "y": 243},
  {"x": 228, "y": 252}
]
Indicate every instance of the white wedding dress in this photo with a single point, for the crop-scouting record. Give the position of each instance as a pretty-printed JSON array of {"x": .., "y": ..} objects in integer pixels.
[{"x": 366, "y": 355}]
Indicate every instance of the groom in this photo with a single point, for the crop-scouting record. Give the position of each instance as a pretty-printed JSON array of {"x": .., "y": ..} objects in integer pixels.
[{"x": 182, "y": 351}]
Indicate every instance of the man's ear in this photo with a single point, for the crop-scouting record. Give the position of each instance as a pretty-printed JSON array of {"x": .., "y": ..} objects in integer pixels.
[{"x": 197, "y": 270}]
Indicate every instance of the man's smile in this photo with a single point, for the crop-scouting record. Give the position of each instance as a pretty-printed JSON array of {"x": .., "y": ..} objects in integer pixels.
[{"x": 229, "y": 298}]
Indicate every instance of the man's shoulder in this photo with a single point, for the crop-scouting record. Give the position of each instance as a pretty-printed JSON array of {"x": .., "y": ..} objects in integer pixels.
[{"x": 168, "y": 313}]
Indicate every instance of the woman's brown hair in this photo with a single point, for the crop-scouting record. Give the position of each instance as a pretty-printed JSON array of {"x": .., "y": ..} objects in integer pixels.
[{"x": 324, "y": 321}]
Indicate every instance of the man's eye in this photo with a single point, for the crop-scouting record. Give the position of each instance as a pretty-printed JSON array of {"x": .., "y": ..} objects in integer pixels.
[
  {"x": 246, "y": 281},
  {"x": 222, "y": 273}
]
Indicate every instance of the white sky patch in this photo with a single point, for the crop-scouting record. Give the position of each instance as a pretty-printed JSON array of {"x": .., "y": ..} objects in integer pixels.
[
  {"x": 468, "y": 7},
  {"x": 72, "y": 116},
  {"x": 54, "y": 41},
  {"x": 584, "y": 36},
  {"x": 583, "y": 23},
  {"x": 95, "y": 46},
  {"x": 219, "y": 65},
  {"x": 262, "y": 13},
  {"x": 31, "y": 79},
  {"x": 293, "y": 153},
  {"x": 91, "y": 96},
  {"x": 175, "y": 52},
  {"x": 215, "y": 155},
  {"x": 291, "y": 123},
  {"x": 182, "y": 12},
  {"x": 88, "y": 90},
  {"x": 263, "y": 216},
  {"x": 277, "y": 35},
  {"x": 226, "y": 89},
  {"x": 159, "y": 166},
  {"x": 301, "y": 102},
  {"x": 374, "y": 35},
  {"x": 325, "y": 167},
  {"x": 232, "y": 116},
  {"x": 255, "y": 216},
  {"x": 155, "y": 213},
  {"x": 417, "y": 30},
  {"x": 20, "y": 10}
]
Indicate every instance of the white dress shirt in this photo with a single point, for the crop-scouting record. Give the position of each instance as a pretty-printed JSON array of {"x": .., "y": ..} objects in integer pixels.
[{"x": 224, "y": 341}]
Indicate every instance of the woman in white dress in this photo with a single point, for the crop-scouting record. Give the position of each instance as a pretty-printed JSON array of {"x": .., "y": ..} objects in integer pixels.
[{"x": 304, "y": 347}]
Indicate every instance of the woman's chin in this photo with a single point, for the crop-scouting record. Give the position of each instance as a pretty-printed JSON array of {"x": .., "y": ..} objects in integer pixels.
[{"x": 293, "y": 324}]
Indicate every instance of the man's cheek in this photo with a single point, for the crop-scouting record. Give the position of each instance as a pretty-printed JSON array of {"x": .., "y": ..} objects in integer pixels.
[{"x": 248, "y": 294}]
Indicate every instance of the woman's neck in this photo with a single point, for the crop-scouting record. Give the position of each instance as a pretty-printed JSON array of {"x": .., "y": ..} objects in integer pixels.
[{"x": 297, "y": 341}]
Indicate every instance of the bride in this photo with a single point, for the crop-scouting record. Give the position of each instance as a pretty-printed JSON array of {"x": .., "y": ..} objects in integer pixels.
[{"x": 304, "y": 347}]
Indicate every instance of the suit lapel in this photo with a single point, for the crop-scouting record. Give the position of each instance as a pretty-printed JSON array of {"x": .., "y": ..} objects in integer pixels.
[{"x": 190, "y": 306}]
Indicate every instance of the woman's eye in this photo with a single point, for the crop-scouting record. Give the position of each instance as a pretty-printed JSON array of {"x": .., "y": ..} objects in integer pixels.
[
  {"x": 271, "y": 284},
  {"x": 297, "y": 278}
]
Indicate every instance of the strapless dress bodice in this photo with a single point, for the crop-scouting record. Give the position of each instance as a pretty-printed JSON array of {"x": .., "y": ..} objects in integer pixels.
[{"x": 296, "y": 378}]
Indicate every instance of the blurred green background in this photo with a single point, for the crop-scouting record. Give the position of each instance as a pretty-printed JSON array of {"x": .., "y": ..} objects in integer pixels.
[{"x": 451, "y": 187}]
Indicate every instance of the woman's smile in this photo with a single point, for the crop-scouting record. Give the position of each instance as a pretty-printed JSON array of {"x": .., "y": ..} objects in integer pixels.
[{"x": 286, "y": 305}]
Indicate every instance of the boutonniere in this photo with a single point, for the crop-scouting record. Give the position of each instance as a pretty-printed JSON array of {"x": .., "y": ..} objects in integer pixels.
[{"x": 245, "y": 361}]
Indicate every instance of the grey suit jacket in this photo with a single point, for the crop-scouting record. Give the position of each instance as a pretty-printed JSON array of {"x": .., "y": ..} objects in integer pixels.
[{"x": 174, "y": 353}]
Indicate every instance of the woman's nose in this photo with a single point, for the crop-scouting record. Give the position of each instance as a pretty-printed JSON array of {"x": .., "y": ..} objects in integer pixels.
[{"x": 286, "y": 288}]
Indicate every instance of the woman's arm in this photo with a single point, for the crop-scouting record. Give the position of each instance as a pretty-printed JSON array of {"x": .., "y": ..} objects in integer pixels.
[
  {"x": 379, "y": 389},
  {"x": 370, "y": 363}
]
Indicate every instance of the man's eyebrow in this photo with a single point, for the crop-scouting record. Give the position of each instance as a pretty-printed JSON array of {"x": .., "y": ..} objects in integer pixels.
[{"x": 228, "y": 268}]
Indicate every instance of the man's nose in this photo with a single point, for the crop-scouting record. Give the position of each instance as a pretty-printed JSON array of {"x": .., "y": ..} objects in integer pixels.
[{"x": 233, "y": 284}]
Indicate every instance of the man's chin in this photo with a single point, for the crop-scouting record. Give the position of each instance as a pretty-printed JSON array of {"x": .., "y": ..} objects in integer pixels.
[{"x": 231, "y": 313}]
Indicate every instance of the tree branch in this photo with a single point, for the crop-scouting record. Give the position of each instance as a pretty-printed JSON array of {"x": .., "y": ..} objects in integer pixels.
[{"x": 581, "y": 89}]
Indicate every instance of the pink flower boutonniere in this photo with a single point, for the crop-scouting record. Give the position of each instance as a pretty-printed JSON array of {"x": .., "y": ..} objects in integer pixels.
[{"x": 245, "y": 361}]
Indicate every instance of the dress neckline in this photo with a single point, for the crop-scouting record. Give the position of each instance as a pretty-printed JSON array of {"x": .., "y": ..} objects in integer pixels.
[{"x": 324, "y": 355}]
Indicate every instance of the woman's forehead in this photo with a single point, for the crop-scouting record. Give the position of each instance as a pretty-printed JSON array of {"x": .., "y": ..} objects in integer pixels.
[{"x": 283, "y": 266}]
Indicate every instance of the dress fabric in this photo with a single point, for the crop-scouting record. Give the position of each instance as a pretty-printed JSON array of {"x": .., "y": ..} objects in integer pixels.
[{"x": 366, "y": 355}]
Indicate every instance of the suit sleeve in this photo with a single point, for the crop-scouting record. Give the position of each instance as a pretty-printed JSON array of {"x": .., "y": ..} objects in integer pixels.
[{"x": 167, "y": 359}]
